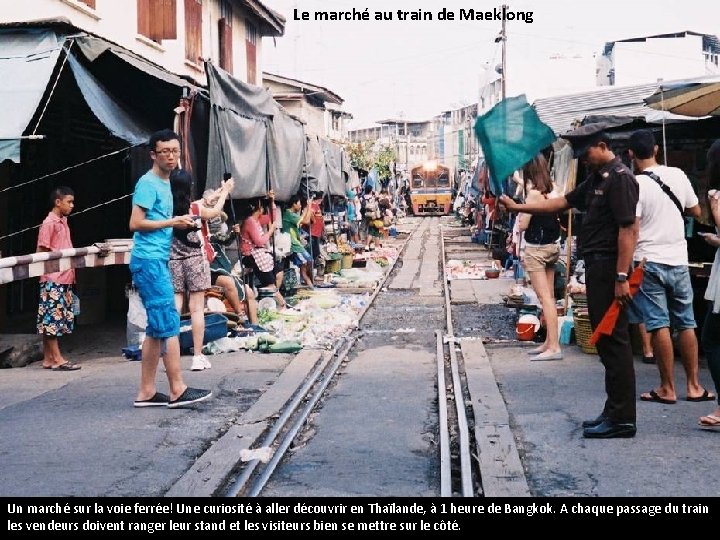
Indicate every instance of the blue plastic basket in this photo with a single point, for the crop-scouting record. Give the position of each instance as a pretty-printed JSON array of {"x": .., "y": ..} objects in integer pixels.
[{"x": 215, "y": 328}]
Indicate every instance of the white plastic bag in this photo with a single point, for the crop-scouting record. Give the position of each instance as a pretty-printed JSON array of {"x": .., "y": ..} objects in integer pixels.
[
  {"x": 372, "y": 267},
  {"x": 136, "y": 318},
  {"x": 282, "y": 244},
  {"x": 136, "y": 311}
]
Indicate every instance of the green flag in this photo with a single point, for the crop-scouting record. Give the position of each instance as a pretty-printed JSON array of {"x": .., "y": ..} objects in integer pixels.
[{"x": 511, "y": 134}]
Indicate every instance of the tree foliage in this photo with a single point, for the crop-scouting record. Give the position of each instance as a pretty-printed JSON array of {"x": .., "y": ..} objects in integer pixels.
[
  {"x": 384, "y": 161},
  {"x": 364, "y": 155},
  {"x": 361, "y": 154}
]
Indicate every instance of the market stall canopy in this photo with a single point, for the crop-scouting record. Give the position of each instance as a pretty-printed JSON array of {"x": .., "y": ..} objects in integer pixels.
[
  {"x": 116, "y": 118},
  {"x": 27, "y": 60},
  {"x": 149, "y": 93},
  {"x": 93, "y": 48},
  {"x": 333, "y": 161},
  {"x": 318, "y": 178},
  {"x": 617, "y": 105},
  {"x": 108, "y": 76},
  {"x": 694, "y": 97},
  {"x": 252, "y": 138},
  {"x": 328, "y": 167}
]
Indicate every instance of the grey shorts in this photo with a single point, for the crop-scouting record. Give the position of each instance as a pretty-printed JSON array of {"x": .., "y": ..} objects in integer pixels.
[{"x": 191, "y": 274}]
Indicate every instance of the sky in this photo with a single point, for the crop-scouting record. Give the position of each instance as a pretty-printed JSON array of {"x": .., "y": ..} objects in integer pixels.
[{"x": 417, "y": 69}]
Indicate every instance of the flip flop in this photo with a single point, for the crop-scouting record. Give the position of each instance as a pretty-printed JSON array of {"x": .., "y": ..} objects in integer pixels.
[
  {"x": 656, "y": 398},
  {"x": 67, "y": 366},
  {"x": 713, "y": 424},
  {"x": 706, "y": 396}
]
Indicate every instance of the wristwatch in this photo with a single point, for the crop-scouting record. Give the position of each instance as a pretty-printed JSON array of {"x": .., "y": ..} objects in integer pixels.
[{"x": 621, "y": 277}]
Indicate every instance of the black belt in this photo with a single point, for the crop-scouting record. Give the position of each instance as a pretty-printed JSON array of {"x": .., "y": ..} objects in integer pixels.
[{"x": 592, "y": 257}]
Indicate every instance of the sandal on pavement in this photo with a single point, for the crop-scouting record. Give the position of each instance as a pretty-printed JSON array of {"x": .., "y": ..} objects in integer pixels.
[
  {"x": 67, "y": 366},
  {"x": 158, "y": 400},
  {"x": 652, "y": 395},
  {"x": 706, "y": 396},
  {"x": 710, "y": 421}
]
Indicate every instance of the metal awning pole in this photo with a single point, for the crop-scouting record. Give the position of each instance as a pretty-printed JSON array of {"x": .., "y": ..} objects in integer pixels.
[{"x": 662, "y": 104}]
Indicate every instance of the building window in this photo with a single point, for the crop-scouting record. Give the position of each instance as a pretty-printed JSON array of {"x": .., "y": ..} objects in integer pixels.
[
  {"x": 157, "y": 19},
  {"x": 193, "y": 31},
  {"x": 251, "y": 51},
  {"x": 225, "y": 44},
  {"x": 88, "y": 3}
]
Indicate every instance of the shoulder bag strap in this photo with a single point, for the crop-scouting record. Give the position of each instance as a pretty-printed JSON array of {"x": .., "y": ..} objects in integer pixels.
[{"x": 667, "y": 191}]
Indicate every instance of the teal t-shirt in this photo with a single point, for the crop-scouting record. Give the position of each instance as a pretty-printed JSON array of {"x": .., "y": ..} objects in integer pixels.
[{"x": 153, "y": 194}]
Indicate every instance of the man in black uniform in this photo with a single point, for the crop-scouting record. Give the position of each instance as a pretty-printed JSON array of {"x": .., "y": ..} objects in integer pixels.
[{"x": 608, "y": 237}]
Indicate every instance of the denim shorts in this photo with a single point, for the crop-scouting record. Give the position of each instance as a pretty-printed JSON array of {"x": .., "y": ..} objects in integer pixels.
[
  {"x": 154, "y": 283},
  {"x": 302, "y": 257},
  {"x": 665, "y": 299}
]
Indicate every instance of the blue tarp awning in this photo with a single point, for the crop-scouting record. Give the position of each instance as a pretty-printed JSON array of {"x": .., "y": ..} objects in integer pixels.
[{"x": 27, "y": 60}]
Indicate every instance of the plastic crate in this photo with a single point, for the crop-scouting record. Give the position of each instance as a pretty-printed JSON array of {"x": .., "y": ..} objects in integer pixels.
[{"x": 215, "y": 328}]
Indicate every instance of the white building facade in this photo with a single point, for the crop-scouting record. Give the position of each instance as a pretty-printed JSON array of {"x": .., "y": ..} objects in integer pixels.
[
  {"x": 175, "y": 34},
  {"x": 682, "y": 55},
  {"x": 411, "y": 140}
]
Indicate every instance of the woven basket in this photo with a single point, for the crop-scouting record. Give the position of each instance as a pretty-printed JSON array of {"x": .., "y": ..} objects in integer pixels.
[
  {"x": 333, "y": 266},
  {"x": 583, "y": 331},
  {"x": 579, "y": 301}
]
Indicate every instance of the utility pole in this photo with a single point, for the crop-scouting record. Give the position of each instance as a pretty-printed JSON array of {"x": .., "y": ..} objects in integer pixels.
[{"x": 503, "y": 37}]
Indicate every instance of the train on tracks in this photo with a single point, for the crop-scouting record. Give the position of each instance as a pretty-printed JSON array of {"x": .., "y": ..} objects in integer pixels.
[{"x": 430, "y": 190}]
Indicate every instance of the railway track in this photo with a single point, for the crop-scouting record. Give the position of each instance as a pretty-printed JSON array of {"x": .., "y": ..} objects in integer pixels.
[{"x": 406, "y": 331}]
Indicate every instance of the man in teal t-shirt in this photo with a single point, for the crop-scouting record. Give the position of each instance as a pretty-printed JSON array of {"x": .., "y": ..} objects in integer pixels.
[{"x": 152, "y": 222}]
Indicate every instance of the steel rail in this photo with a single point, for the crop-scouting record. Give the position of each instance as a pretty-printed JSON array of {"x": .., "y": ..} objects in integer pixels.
[
  {"x": 464, "y": 444},
  {"x": 330, "y": 370},
  {"x": 290, "y": 435},
  {"x": 239, "y": 484},
  {"x": 445, "y": 457}
]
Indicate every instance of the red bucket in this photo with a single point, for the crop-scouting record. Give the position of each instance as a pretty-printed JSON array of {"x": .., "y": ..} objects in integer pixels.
[{"x": 525, "y": 331}]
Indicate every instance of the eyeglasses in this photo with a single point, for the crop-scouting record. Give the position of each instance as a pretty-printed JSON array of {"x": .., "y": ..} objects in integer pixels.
[{"x": 167, "y": 151}]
